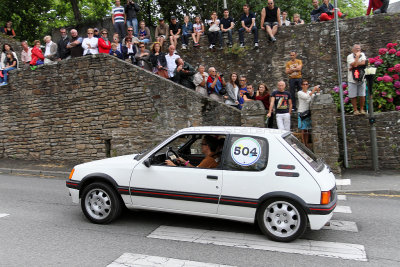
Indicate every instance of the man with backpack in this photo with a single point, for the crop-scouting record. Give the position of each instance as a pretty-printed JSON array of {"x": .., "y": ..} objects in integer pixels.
[{"x": 356, "y": 63}]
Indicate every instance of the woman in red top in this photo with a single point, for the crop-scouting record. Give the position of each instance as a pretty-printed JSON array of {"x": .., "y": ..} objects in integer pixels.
[
  {"x": 263, "y": 96},
  {"x": 104, "y": 44},
  {"x": 37, "y": 55}
]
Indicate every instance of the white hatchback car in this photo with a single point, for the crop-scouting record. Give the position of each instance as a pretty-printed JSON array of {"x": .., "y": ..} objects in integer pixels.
[{"x": 245, "y": 174}]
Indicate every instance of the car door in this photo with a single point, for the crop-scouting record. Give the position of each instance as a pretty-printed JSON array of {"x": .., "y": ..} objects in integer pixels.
[{"x": 184, "y": 189}]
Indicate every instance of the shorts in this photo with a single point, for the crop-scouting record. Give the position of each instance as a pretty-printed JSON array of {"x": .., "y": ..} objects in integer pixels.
[
  {"x": 271, "y": 24},
  {"x": 356, "y": 89}
]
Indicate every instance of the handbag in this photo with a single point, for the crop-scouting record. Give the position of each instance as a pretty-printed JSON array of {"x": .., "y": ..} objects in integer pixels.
[
  {"x": 304, "y": 115},
  {"x": 163, "y": 73}
]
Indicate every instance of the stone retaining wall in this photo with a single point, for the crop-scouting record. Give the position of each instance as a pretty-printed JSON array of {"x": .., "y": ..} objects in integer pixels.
[{"x": 73, "y": 110}]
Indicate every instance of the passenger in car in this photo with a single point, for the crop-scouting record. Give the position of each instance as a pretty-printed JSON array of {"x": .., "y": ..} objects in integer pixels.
[{"x": 209, "y": 147}]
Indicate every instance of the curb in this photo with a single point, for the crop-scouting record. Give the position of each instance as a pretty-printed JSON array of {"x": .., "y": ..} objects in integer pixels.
[
  {"x": 48, "y": 174},
  {"x": 373, "y": 193}
]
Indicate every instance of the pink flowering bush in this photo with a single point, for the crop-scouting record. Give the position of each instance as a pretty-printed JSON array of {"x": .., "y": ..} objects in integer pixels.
[
  {"x": 346, "y": 100},
  {"x": 386, "y": 93}
]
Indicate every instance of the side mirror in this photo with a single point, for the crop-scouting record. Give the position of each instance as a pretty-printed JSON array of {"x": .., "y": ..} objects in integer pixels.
[{"x": 147, "y": 162}]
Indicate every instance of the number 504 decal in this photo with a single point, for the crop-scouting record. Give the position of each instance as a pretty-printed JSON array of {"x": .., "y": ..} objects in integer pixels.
[{"x": 245, "y": 151}]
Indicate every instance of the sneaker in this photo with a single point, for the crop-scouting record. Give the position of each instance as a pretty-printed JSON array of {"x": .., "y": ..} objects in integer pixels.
[
  {"x": 230, "y": 45},
  {"x": 344, "y": 15},
  {"x": 356, "y": 112},
  {"x": 363, "y": 112},
  {"x": 194, "y": 44},
  {"x": 256, "y": 45},
  {"x": 3, "y": 83},
  {"x": 273, "y": 39},
  {"x": 221, "y": 47},
  {"x": 184, "y": 47},
  {"x": 211, "y": 46},
  {"x": 242, "y": 45},
  {"x": 33, "y": 67}
]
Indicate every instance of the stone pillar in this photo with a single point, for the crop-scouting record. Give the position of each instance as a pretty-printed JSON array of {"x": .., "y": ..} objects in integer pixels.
[
  {"x": 253, "y": 114},
  {"x": 325, "y": 131}
]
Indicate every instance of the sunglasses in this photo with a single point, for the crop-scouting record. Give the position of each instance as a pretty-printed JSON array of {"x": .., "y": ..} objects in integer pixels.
[
  {"x": 90, "y": 33},
  {"x": 242, "y": 80},
  {"x": 130, "y": 30},
  {"x": 305, "y": 83}
]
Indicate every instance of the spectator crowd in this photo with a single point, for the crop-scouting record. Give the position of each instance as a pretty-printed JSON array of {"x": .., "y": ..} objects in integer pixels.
[{"x": 135, "y": 45}]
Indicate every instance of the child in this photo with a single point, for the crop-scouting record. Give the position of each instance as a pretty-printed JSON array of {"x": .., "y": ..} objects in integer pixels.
[
  {"x": 187, "y": 29},
  {"x": 198, "y": 30},
  {"x": 11, "y": 64},
  {"x": 114, "y": 51},
  {"x": 37, "y": 55}
]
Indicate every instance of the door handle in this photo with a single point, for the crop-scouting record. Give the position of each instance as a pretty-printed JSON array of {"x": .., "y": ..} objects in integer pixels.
[{"x": 212, "y": 177}]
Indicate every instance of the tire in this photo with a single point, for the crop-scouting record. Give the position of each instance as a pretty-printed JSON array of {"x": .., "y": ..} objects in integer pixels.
[
  {"x": 282, "y": 220},
  {"x": 100, "y": 203}
]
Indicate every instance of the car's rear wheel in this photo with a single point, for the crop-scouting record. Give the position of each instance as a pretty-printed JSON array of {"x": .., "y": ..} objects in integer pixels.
[
  {"x": 282, "y": 220},
  {"x": 100, "y": 203}
]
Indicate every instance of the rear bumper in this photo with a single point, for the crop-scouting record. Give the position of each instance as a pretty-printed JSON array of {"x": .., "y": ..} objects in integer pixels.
[{"x": 318, "y": 221}]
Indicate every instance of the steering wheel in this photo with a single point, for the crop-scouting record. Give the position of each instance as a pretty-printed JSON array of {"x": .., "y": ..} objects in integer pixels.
[{"x": 172, "y": 156}]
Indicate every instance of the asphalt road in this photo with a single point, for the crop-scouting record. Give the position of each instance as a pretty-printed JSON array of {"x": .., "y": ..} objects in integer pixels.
[{"x": 44, "y": 228}]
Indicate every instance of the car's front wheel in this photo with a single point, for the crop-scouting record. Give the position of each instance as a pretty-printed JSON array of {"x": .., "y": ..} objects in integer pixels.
[
  {"x": 282, "y": 220},
  {"x": 100, "y": 203}
]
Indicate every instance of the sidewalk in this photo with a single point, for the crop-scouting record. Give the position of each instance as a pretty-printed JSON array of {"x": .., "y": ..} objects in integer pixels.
[
  {"x": 362, "y": 181},
  {"x": 367, "y": 181}
]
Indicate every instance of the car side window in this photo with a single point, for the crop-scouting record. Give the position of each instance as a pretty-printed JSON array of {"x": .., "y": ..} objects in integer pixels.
[{"x": 246, "y": 153}]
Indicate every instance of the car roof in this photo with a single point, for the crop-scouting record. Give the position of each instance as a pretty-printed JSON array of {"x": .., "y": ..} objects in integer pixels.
[{"x": 234, "y": 130}]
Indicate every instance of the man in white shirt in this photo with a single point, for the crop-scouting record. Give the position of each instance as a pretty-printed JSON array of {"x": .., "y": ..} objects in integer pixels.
[
  {"x": 50, "y": 54},
  {"x": 356, "y": 87},
  {"x": 26, "y": 54},
  {"x": 171, "y": 65}
]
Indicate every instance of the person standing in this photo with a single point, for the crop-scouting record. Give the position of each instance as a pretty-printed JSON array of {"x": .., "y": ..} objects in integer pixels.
[
  {"x": 119, "y": 19},
  {"x": 264, "y": 96},
  {"x": 200, "y": 80},
  {"x": 75, "y": 44},
  {"x": 305, "y": 96},
  {"x": 171, "y": 64},
  {"x": 90, "y": 44},
  {"x": 293, "y": 70},
  {"x": 248, "y": 22},
  {"x": 242, "y": 90},
  {"x": 356, "y": 60},
  {"x": 184, "y": 73},
  {"x": 271, "y": 19},
  {"x": 282, "y": 103},
  {"x": 131, "y": 10},
  {"x": 103, "y": 42},
  {"x": 232, "y": 91},
  {"x": 62, "y": 51}
]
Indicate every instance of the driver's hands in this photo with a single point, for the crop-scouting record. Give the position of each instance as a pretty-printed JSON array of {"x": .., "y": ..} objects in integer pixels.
[
  {"x": 181, "y": 160},
  {"x": 169, "y": 162}
]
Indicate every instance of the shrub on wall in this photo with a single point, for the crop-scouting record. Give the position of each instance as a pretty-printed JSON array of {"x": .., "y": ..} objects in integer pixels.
[{"x": 386, "y": 88}]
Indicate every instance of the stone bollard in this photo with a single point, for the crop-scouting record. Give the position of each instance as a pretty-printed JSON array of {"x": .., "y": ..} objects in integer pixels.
[
  {"x": 253, "y": 114},
  {"x": 325, "y": 131}
]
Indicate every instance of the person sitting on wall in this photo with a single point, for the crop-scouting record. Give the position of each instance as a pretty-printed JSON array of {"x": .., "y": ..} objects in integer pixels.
[
  {"x": 3, "y": 61},
  {"x": 184, "y": 73},
  {"x": 162, "y": 31},
  {"x": 198, "y": 30},
  {"x": 214, "y": 31},
  {"x": 144, "y": 33},
  {"x": 174, "y": 32},
  {"x": 8, "y": 30},
  {"x": 128, "y": 50},
  {"x": 209, "y": 147},
  {"x": 284, "y": 20},
  {"x": 37, "y": 55},
  {"x": 378, "y": 6},
  {"x": 297, "y": 20},
  {"x": 26, "y": 54},
  {"x": 315, "y": 13},
  {"x": 271, "y": 19},
  {"x": 327, "y": 11},
  {"x": 50, "y": 52},
  {"x": 187, "y": 29},
  {"x": 248, "y": 22},
  {"x": 11, "y": 64},
  {"x": 227, "y": 25}
]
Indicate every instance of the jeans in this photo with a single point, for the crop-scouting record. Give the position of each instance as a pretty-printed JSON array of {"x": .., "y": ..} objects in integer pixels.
[
  {"x": 214, "y": 36},
  {"x": 283, "y": 121},
  {"x": 119, "y": 28},
  {"x": 6, "y": 74},
  {"x": 229, "y": 32},
  {"x": 133, "y": 22},
  {"x": 254, "y": 30},
  {"x": 185, "y": 38},
  {"x": 294, "y": 87}
]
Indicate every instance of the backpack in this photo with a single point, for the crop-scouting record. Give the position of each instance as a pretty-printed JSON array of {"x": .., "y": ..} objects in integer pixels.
[{"x": 358, "y": 73}]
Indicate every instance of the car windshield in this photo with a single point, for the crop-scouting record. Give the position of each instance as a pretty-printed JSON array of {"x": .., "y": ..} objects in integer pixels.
[
  {"x": 145, "y": 151},
  {"x": 306, "y": 153}
]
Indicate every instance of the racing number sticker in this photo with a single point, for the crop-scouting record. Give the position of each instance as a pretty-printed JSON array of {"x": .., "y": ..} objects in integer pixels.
[{"x": 245, "y": 151}]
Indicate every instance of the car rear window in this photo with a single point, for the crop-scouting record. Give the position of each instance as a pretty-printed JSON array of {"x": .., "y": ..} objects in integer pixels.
[{"x": 306, "y": 153}]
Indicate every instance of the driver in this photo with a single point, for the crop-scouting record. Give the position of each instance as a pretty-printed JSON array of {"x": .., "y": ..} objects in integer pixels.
[{"x": 209, "y": 146}]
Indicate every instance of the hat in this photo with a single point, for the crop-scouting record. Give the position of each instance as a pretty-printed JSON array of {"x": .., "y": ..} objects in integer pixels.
[
  {"x": 160, "y": 19},
  {"x": 173, "y": 17},
  {"x": 96, "y": 30}
]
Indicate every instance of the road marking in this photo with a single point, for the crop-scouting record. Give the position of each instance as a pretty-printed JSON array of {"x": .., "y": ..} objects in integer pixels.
[
  {"x": 139, "y": 260},
  {"x": 251, "y": 241},
  {"x": 371, "y": 194},
  {"x": 342, "y": 197},
  {"x": 3, "y": 215},
  {"x": 342, "y": 209},
  {"x": 342, "y": 226},
  {"x": 343, "y": 182}
]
